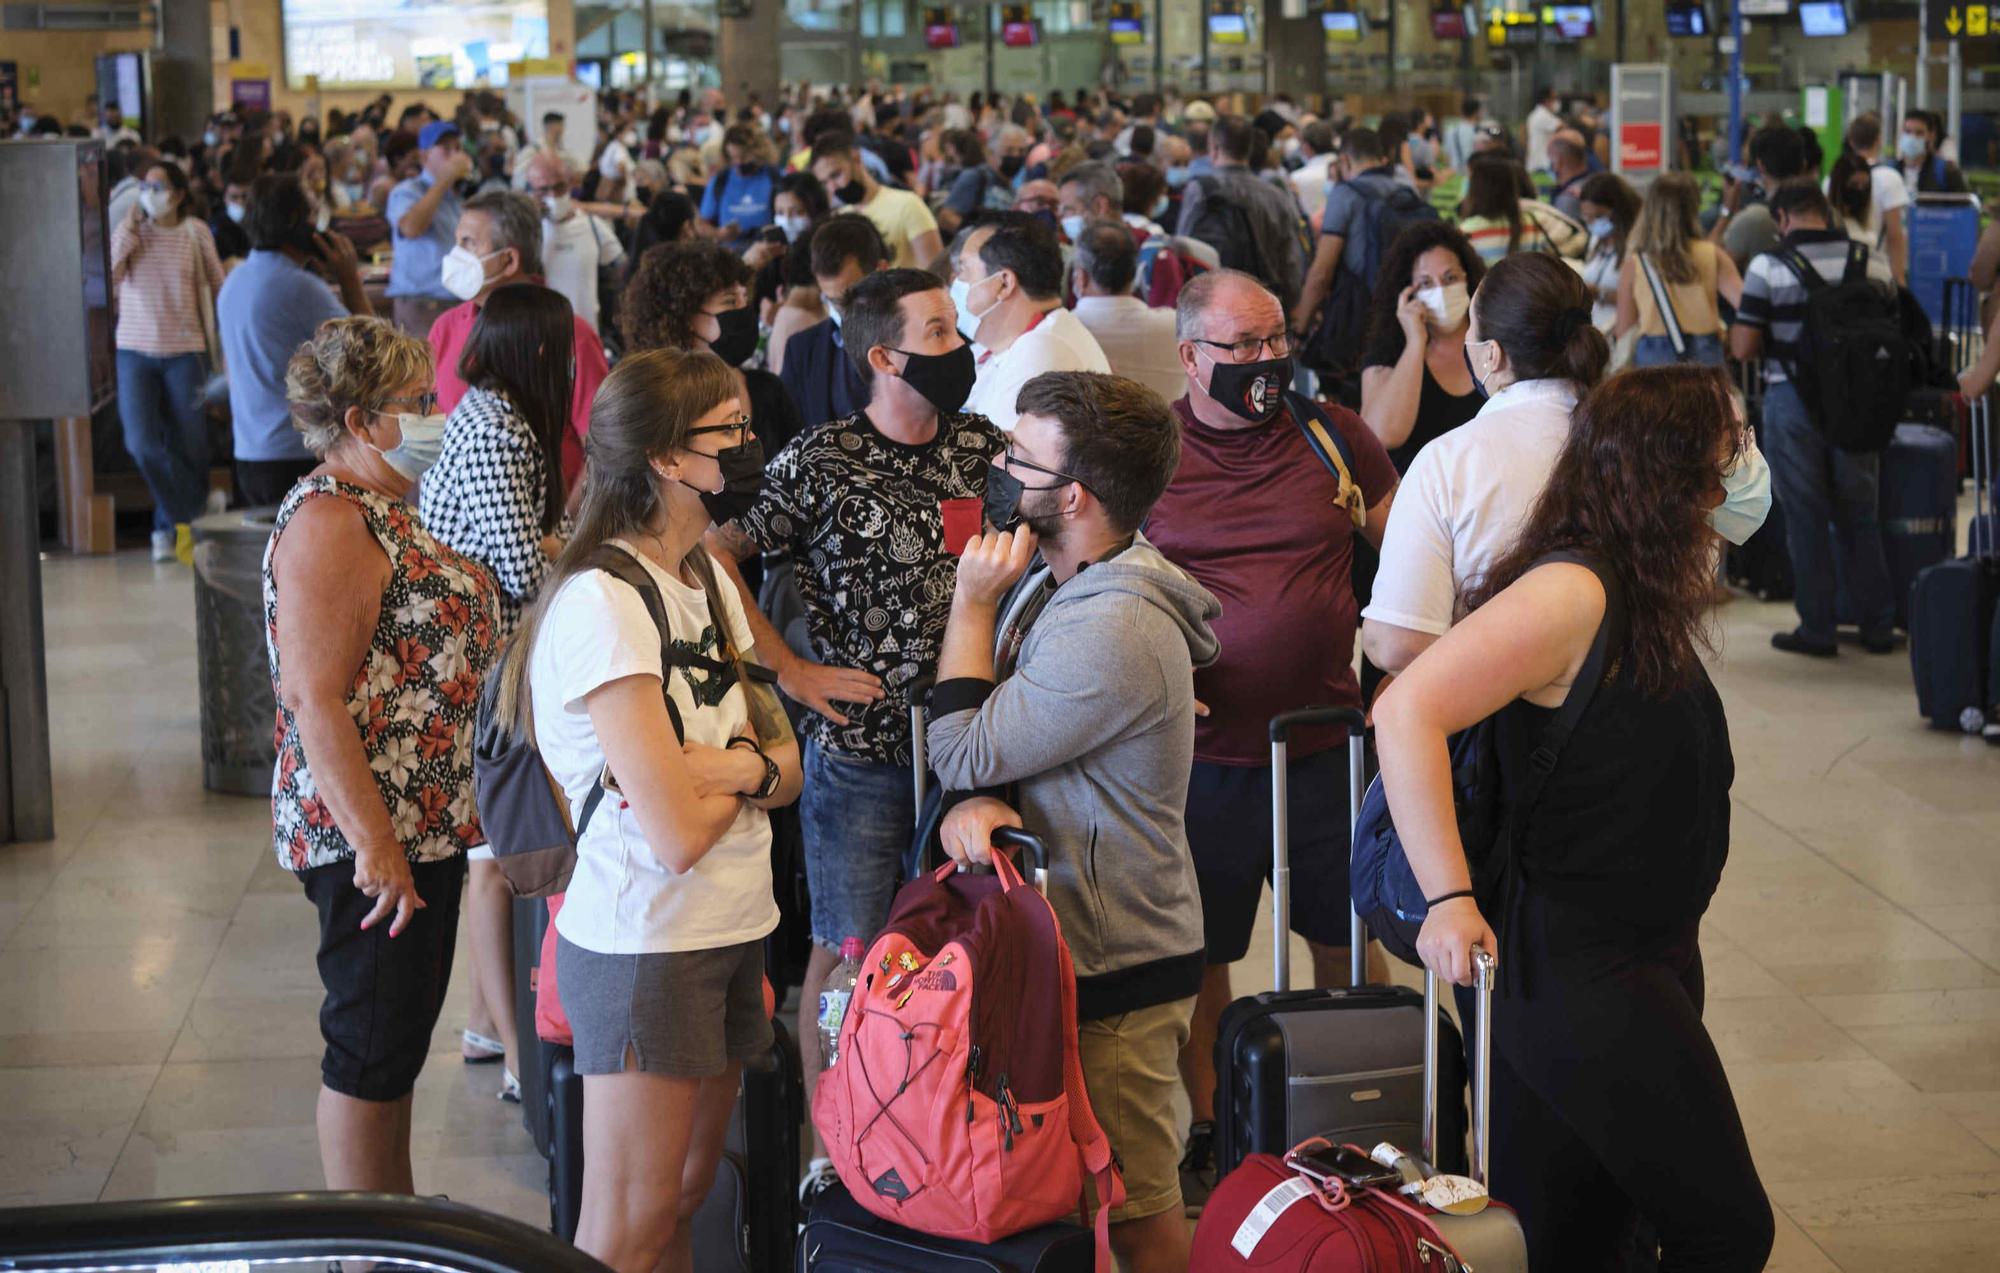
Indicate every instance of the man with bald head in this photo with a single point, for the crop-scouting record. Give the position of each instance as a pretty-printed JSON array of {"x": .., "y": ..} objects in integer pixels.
[
  {"x": 1569, "y": 159},
  {"x": 1261, "y": 522},
  {"x": 575, "y": 244}
]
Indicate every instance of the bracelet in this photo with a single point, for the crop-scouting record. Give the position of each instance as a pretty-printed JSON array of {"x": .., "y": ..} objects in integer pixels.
[
  {"x": 771, "y": 775},
  {"x": 1441, "y": 899}
]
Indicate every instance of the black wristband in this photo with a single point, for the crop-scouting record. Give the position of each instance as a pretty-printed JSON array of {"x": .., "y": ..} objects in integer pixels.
[{"x": 1441, "y": 899}]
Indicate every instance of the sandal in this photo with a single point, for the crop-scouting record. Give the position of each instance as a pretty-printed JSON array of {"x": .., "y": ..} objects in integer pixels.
[
  {"x": 489, "y": 1050},
  {"x": 510, "y": 1088}
]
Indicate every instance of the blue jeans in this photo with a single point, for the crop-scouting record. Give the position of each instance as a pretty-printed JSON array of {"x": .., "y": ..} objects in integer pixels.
[
  {"x": 858, "y": 817},
  {"x": 1658, "y": 351},
  {"x": 166, "y": 430},
  {"x": 1830, "y": 498}
]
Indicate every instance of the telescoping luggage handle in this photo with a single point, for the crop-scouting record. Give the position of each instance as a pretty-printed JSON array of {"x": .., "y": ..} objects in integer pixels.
[
  {"x": 1282, "y": 725},
  {"x": 920, "y": 697},
  {"x": 1482, "y": 1064}
]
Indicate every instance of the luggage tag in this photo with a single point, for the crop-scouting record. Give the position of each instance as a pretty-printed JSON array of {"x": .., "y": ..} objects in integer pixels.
[{"x": 1453, "y": 1195}]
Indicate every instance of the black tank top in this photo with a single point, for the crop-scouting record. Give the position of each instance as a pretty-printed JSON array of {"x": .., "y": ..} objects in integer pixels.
[
  {"x": 1633, "y": 824},
  {"x": 1439, "y": 411}
]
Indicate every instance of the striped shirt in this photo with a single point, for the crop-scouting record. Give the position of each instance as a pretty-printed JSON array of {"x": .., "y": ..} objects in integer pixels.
[
  {"x": 1489, "y": 236},
  {"x": 1774, "y": 299},
  {"x": 159, "y": 306}
]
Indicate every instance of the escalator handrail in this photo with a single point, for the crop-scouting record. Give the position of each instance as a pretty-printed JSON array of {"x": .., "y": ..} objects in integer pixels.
[{"x": 267, "y": 1226}]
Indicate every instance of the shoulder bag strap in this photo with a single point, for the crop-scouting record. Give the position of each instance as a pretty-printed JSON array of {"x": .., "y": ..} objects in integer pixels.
[
  {"x": 1857, "y": 263},
  {"x": 1331, "y": 446},
  {"x": 1664, "y": 301},
  {"x": 1795, "y": 261}
]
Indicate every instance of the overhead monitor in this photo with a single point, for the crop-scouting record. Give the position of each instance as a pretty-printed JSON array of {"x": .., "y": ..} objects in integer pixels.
[
  {"x": 1687, "y": 20},
  {"x": 940, "y": 32},
  {"x": 409, "y": 44},
  {"x": 1823, "y": 17},
  {"x": 1570, "y": 21},
  {"x": 1448, "y": 24},
  {"x": 1128, "y": 30},
  {"x": 1766, "y": 8},
  {"x": 1342, "y": 28},
  {"x": 1228, "y": 28}
]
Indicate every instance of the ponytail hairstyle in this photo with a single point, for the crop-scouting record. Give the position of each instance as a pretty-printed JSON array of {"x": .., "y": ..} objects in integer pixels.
[
  {"x": 642, "y": 412},
  {"x": 1850, "y": 186},
  {"x": 1632, "y": 487},
  {"x": 1538, "y": 309}
]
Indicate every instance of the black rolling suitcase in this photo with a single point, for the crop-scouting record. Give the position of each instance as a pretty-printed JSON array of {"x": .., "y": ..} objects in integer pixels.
[
  {"x": 749, "y": 1220},
  {"x": 1952, "y": 609},
  {"x": 842, "y": 1236},
  {"x": 1344, "y": 1064}
]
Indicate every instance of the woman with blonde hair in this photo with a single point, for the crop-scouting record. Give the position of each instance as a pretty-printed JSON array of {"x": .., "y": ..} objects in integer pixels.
[{"x": 1672, "y": 278}]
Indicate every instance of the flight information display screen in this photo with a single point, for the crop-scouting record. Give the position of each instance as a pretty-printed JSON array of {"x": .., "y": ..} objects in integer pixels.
[{"x": 410, "y": 44}]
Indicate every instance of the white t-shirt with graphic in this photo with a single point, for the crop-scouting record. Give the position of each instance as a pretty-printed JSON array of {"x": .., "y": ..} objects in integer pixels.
[{"x": 622, "y": 900}]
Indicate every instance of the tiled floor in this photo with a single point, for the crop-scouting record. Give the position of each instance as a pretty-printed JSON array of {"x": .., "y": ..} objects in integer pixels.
[{"x": 158, "y": 1036}]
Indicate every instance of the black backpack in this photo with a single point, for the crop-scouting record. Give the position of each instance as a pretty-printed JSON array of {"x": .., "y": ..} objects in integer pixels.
[
  {"x": 1855, "y": 365},
  {"x": 1224, "y": 225},
  {"x": 1388, "y": 217},
  {"x": 1335, "y": 347}
]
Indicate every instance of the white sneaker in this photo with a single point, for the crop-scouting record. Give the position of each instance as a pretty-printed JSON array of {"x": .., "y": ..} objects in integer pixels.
[
  {"x": 820, "y": 1176},
  {"x": 218, "y": 502},
  {"x": 163, "y": 545}
]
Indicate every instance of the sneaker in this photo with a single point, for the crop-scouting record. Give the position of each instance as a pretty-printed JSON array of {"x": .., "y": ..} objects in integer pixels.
[
  {"x": 820, "y": 1177},
  {"x": 163, "y": 545},
  {"x": 1796, "y": 642},
  {"x": 1886, "y": 643},
  {"x": 218, "y": 502},
  {"x": 184, "y": 543},
  {"x": 1198, "y": 1167}
]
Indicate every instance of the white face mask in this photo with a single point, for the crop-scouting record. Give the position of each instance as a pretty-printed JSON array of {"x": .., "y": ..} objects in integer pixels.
[
  {"x": 1911, "y": 147},
  {"x": 1746, "y": 497},
  {"x": 155, "y": 202},
  {"x": 558, "y": 206},
  {"x": 794, "y": 227},
  {"x": 323, "y": 219},
  {"x": 1446, "y": 304},
  {"x": 1291, "y": 148},
  {"x": 234, "y": 211},
  {"x": 968, "y": 321},
  {"x": 463, "y": 274},
  {"x": 1072, "y": 227},
  {"x": 423, "y": 442},
  {"x": 629, "y": 138}
]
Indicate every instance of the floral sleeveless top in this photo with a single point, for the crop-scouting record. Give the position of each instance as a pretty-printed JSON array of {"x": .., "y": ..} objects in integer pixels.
[{"x": 414, "y": 695}]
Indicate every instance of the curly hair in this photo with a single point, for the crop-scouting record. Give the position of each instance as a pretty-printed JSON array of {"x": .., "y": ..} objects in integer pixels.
[
  {"x": 1632, "y": 487},
  {"x": 672, "y": 283},
  {"x": 1385, "y": 333},
  {"x": 349, "y": 362}
]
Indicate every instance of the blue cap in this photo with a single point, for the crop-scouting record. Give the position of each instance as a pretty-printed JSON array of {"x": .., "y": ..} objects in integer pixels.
[{"x": 435, "y": 131}]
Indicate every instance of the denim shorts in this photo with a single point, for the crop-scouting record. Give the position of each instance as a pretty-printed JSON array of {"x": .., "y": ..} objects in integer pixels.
[{"x": 857, "y": 816}]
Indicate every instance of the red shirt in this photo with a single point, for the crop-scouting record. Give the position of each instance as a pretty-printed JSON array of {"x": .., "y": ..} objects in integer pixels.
[
  {"x": 454, "y": 327},
  {"x": 1251, "y": 515}
]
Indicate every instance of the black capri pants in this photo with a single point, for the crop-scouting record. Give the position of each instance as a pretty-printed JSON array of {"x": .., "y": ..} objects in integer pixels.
[
  {"x": 383, "y": 994},
  {"x": 1610, "y": 1104}
]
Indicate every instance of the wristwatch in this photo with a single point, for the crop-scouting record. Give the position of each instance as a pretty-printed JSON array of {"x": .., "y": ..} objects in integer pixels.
[{"x": 771, "y": 775}]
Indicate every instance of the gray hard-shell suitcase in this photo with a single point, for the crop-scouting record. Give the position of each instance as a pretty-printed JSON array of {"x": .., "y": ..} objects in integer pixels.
[{"x": 1343, "y": 1064}]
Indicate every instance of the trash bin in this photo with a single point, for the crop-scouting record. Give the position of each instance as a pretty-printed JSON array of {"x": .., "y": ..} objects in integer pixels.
[{"x": 238, "y": 747}]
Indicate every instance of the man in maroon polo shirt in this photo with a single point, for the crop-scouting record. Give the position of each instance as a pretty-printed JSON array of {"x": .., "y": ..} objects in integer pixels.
[{"x": 1258, "y": 520}]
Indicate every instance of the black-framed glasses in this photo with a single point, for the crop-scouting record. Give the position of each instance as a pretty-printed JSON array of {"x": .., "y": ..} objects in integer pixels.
[
  {"x": 425, "y": 403},
  {"x": 1014, "y": 461},
  {"x": 740, "y": 426},
  {"x": 1246, "y": 349}
]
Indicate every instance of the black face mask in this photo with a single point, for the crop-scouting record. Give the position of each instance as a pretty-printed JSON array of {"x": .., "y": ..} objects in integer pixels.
[
  {"x": 945, "y": 380},
  {"x": 747, "y": 169},
  {"x": 852, "y": 193},
  {"x": 1011, "y": 164},
  {"x": 1252, "y": 391},
  {"x": 1002, "y": 504},
  {"x": 742, "y": 480},
  {"x": 737, "y": 339}
]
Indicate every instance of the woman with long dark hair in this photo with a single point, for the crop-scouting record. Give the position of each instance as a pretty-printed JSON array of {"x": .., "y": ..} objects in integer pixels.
[
  {"x": 495, "y": 497},
  {"x": 1491, "y": 214},
  {"x": 660, "y": 945},
  {"x": 1609, "y": 1103},
  {"x": 1414, "y": 383},
  {"x": 1610, "y": 208}
]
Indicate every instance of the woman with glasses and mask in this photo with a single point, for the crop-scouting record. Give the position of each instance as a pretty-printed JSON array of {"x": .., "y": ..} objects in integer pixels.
[
  {"x": 165, "y": 274},
  {"x": 660, "y": 949},
  {"x": 1532, "y": 351},
  {"x": 379, "y": 639},
  {"x": 496, "y": 497},
  {"x": 695, "y": 296}
]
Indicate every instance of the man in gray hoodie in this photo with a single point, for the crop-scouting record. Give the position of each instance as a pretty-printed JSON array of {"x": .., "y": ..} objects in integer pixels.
[{"x": 1065, "y": 703}]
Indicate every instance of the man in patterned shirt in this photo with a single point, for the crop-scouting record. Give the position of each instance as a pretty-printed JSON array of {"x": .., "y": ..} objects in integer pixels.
[{"x": 874, "y": 508}]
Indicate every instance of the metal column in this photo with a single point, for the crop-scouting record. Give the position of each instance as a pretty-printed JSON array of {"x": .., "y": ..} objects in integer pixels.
[
  {"x": 27, "y": 783},
  {"x": 1954, "y": 87},
  {"x": 1735, "y": 81},
  {"x": 1923, "y": 56}
]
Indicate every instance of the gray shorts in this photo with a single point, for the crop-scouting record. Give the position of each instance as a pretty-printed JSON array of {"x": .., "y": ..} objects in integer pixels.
[{"x": 685, "y": 1014}]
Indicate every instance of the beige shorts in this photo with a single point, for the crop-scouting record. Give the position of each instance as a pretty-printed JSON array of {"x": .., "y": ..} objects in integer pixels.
[{"x": 1131, "y": 1067}]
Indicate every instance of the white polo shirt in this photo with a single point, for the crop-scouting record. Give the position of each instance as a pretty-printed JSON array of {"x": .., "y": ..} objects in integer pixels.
[
  {"x": 1057, "y": 343},
  {"x": 1137, "y": 340}
]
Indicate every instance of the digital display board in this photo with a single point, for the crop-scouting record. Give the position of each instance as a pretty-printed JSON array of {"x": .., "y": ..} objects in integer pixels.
[
  {"x": 1228, "y": 28},
  {"x": 1341, "y": 27},
  {"x": 1687, "y": 20},
  {"x": 432, "y": 44},
  {"x": 1823, "y": 17}
]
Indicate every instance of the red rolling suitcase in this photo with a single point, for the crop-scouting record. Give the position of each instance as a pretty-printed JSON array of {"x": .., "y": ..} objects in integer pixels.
[{"x": 1261, "y": 1215}]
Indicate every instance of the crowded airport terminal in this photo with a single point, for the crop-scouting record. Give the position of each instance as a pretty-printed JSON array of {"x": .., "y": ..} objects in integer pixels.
[{"x": 890, "y": 636}]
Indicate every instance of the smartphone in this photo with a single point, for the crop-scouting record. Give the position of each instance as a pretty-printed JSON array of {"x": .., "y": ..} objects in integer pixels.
[
  {"x": 772, "y": 234},
  {"x": 1327, "y": 1162}
]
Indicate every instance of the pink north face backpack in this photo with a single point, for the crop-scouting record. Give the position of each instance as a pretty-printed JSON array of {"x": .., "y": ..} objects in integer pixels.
[{"x": 957, "y": 1107}]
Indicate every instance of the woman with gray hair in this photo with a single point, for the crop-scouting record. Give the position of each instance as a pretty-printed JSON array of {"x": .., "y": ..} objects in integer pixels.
[{"x": 379, "y": 638}]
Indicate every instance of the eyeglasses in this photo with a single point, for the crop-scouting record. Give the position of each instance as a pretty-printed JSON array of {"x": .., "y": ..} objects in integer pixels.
[
  {"x": 1246, "y": 349},
  {"x": 1015, "y": 461},
  {"x": 425, "y": 403},
  {"x": 548, "y": 189},
  {"x": 740, "y": 426}
]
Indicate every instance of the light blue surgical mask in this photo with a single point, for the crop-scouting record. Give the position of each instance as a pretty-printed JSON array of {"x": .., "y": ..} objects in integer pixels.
[
  {"x": 423, "y": 442},
  {"x": 1601, "y": 228},
  {"x": 1746, "y": 497},
  {"x": 1911, "y": 146},
  {"x": 1159, "y": 208},
  {"x": 1177, "y": 177}
]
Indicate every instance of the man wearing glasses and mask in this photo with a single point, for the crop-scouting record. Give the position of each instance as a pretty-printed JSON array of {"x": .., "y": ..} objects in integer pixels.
[{"x": 1260, "y": 520}]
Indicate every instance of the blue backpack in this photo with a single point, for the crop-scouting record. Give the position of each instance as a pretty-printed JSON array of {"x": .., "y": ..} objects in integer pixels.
[{"x": 1386, "y": 893}]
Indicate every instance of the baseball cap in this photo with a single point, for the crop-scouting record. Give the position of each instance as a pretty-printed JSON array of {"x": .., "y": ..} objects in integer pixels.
[
  {"x": 435, "y": 131},
  {"x": 1199, "y": 112}
]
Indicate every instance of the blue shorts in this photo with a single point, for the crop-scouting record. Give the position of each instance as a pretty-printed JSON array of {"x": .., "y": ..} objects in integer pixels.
[
  {"x": 858, "y": 818},
  {"x": 1229, "y": 836}
]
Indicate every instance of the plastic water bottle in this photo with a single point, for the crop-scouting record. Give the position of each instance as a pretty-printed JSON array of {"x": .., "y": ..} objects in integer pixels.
[{"x": 834, "y": 998}]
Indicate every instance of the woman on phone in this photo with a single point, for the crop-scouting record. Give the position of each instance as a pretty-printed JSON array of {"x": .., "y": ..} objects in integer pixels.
[
  {"x": 1609, "y": 1102},
  {"x": 661, "y": 935},
  {"x": 1414, "y": 383}
]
